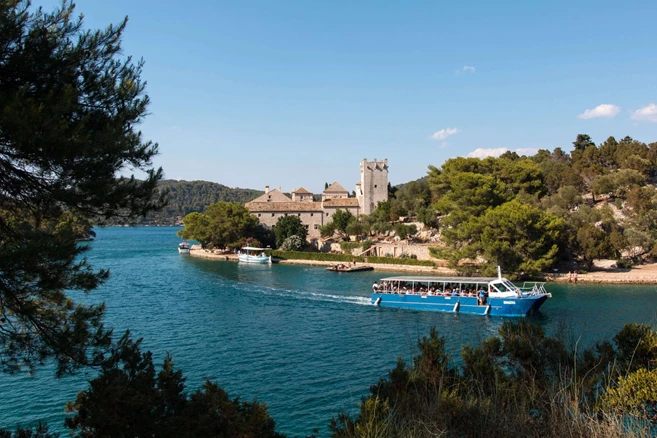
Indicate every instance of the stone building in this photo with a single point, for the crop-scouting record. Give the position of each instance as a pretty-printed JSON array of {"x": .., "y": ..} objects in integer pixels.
[
  {"x": 373, "y": 185},
  {"x": 372, "y": 188}
]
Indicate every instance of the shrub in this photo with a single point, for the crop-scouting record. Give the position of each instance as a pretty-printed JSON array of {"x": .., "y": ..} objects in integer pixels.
[
  {"x": 623, "y": 264},
  {"x": 292, "y": 243},
  {"x": 347, "y": 247}
]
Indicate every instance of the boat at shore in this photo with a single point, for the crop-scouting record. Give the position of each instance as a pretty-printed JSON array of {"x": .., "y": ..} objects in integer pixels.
[
  {"x": 494, "y": 296},
  {"x": 349, "y": 268},
  {"x": 250, "y": 254},
  {"x": 183, "y": 248}
]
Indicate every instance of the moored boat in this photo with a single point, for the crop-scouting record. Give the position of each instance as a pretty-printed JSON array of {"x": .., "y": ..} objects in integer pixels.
[
  {"x": 495, "y": 296},
  {"x": 250, "y": 254},
  {"x": 183, "y": 248},
  {"x": 349, "y": 268}
]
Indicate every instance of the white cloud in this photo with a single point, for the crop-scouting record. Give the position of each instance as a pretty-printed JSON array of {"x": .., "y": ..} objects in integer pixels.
[
  {"x": 444, "y": 133},
  {"x": 483, "y": 153},
  {"x": 526, "y": 151},
  {"x": 648, "y": 113},
  {"x": 606, "y": 110},
  {"x": 465, "y": 69},
  {"x": 443, "y": 145}
]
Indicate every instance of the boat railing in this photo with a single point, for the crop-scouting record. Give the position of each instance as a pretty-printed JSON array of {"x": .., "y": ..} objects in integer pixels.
[{"x": 533, "y": 288}]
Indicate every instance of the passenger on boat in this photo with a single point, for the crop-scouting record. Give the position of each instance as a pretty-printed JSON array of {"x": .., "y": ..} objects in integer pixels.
[
  {"x": 482, "y": 297},
  {"x": 375, "y": 287}
]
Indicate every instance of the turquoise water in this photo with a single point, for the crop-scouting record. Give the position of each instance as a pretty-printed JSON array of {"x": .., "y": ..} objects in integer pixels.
[{"x": 303, "y": 340}]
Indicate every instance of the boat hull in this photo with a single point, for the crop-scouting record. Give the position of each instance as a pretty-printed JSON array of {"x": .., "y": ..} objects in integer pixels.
[
  {"x": 247, "y": 258},
  {"x": 493, "y": 307},
  {"x": 183, "y": 250}
]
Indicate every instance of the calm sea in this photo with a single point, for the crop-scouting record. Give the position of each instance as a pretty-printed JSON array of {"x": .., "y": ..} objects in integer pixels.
[{"x": 303, "y": 340}]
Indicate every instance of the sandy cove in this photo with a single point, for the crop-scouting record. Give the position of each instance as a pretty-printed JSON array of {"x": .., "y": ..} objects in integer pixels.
[{"x": 643, "y": 274}]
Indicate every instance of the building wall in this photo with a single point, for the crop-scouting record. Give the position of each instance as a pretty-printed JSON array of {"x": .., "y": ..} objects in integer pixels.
[
  {"x": 312, "y": 220},
  {"x": 373, "y": 184},
  {"x": 330, "y": 211},
  {"x": 334, "y": 195},
  {"x": 302, "y": 197}
]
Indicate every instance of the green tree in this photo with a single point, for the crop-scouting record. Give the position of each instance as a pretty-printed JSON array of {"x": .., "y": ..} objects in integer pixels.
[
  {"x": 131, "y": 398},
  {"x": 197, "y": 227},
  {"x": 69, "y": 107},
  {"x": 582, "y": 142},
  {"x": 223, "y": 225},
  {"x": 288, "y": 226},
  {"x": 516, "y": 236},
  {"x": 342, "y": 219},
  {"x": 594, "y": 243},
  {"x": 357, "y": 228}
]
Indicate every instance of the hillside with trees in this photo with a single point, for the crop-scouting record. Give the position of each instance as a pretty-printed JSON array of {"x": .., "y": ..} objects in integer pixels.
[
  {"x": 529, "y": 213},
  {"x": 184, "y": 197}
]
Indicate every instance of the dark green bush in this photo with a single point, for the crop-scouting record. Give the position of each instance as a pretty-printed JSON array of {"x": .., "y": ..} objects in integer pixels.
[{"x": 623, "y": 264}]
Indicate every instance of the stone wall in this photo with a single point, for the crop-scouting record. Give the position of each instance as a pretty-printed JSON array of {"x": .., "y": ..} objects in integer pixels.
[{"x": 391, "y": 249}]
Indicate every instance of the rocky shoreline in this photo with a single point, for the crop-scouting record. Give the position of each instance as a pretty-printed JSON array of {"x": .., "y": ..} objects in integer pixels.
[{"x": 644, "y": 274}]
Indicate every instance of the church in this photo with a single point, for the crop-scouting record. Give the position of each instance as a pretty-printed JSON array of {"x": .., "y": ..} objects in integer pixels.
[{"x": 370, "y": 190}]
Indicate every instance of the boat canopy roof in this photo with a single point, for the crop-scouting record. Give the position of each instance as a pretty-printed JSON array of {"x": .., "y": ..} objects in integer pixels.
[
  {"x": 253, "y": 248},
  {"x": 442, "y": 279}
]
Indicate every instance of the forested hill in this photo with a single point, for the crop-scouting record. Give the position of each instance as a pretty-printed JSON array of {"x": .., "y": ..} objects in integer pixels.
[{"x": 188, "y": 196}]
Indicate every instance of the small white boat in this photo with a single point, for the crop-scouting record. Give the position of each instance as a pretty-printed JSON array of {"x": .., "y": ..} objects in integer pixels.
[
  {"x": 250, "y": 254},
  {"x": 183, "y": 248}
]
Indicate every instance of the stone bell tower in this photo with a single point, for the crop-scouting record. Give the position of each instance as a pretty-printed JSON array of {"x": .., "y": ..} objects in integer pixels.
[{"x": 373, "y": 185}]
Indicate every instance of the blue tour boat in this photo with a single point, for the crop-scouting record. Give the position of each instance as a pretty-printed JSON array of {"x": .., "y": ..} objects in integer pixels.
[{"x": 495, "y": 296}]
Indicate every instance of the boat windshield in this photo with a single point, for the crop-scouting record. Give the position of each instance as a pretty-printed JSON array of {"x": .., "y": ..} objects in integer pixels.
[{"x": 505, "y": 285}]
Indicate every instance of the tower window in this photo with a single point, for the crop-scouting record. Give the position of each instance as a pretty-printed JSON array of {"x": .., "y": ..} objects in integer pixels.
[
  {"x": 273, "y": 214},
  {"x": 311, "y": 214},
  {"x": 259, "y": 214},
  {"x": 374, "y": 185}
]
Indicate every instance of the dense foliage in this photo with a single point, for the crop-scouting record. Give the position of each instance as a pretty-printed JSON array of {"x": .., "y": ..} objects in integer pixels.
[
  {"x": 69, "y": 107},
  {"x": 225, "y": 225},
  {"x": 184, "y": 197},
  {"x": 288, "y": 226},
  {"x": 129, "y": 398},
  {"x": 529, "y": 213},
  {"x": 517, "y": 384}
]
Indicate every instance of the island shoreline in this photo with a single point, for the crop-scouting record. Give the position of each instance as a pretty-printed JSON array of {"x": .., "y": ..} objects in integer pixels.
[{"x": 638, "y": 275}]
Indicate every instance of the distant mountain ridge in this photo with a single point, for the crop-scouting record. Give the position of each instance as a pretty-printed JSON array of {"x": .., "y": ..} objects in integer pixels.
[{"x": 188, "y": 196}]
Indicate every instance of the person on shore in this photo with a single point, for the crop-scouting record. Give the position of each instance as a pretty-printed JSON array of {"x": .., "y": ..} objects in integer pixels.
[
  {"x": 570, "y": 276},
  {"x": 575, "y": 277}
]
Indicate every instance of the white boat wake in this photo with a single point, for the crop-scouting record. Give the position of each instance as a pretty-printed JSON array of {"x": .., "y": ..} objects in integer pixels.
[{"x": 309, "y": 295}]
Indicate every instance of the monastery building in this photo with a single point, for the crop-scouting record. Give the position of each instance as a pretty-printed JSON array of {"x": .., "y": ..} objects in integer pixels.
[{"x": 370, "y": 190}]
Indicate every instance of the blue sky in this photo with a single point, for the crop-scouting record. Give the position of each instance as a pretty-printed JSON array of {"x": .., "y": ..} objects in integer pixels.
[{"x": 296, "y": 93}]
